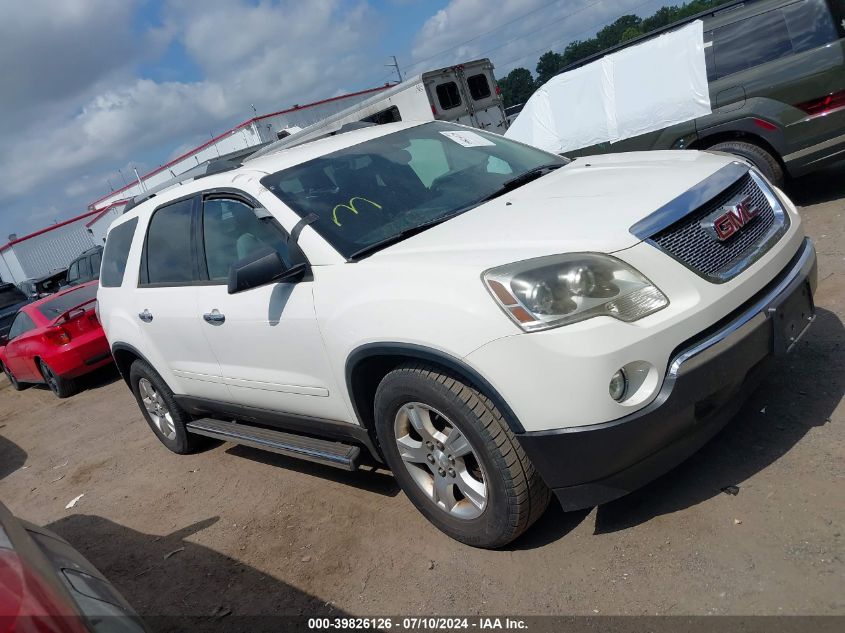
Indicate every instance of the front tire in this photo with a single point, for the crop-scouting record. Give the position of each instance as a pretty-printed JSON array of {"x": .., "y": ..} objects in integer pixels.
[
  {"x": 455, "y": 458},
  {"x": 61, "y": 387},
  {"x": 159, "y": 408},
  {"x": 11, "y": 378}
]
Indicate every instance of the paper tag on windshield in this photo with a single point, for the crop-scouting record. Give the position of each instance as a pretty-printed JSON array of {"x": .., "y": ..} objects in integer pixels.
[{"x": 467, "y": 139}]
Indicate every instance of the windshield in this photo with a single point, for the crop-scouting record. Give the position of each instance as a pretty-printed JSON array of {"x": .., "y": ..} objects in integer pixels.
[
  {"x": 10, "y": 295},
  {"x": 380, "y": 189}
]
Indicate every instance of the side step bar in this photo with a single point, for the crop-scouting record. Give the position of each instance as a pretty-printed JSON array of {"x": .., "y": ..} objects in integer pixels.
[{"x": 336, "y": 454}]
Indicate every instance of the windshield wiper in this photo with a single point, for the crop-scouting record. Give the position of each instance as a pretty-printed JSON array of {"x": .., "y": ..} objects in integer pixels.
[
  {"x": 522, "y": 179},
  {"x": 401, "y": 235}
]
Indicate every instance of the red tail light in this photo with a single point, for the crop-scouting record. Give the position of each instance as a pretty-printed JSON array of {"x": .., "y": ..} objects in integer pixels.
[
  {"x": 57, "y": 335},
  {"x": 824, "y": 104},
  {"x": 433, "y": 110},
  {"x": 498, "y": 90}
]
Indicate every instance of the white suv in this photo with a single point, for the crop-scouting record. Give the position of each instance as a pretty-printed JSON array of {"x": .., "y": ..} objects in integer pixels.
[{"x": 490, "y": 321}]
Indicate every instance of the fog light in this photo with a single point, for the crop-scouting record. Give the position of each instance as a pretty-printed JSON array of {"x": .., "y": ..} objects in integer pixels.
[{"x": 618, "y": 385}]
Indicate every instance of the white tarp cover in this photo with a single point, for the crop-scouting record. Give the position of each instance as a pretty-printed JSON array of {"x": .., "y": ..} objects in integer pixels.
[{"x": 640, "y": 89}]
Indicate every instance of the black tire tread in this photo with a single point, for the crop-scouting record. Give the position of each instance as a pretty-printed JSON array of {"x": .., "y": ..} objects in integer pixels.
[{"x": 528, "y": 495}]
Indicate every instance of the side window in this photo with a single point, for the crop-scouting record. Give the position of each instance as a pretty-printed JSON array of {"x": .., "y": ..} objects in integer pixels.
[
  {"x": 448, "y": 95},
  {"x": 479, "y": 88},
  {"x": 233, "y": 231},
  {"x": 96, "y": 261},
  {"x": 117, "y": 252},
  {"x": 168, "y": 249},
  {"x": 735, "y": 49},
  {"x": 810, "y": 25},
  {"x": 391, "y": 115},
  {"x": 21, "y": 325},
  {"x": 73, "y": 272},
  {"x": 428, "y": 159},
  {"x": 85, "y": 269}
]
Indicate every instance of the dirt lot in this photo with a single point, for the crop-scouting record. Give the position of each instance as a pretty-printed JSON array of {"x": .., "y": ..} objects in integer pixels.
[{"x": 263, "y": 534}]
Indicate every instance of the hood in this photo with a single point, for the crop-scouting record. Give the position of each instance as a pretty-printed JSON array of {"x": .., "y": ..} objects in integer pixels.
[{"x": 588, "y": 205}]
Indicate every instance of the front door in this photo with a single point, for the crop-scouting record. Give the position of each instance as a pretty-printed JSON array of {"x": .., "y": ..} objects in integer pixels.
[
  {"x": 266, "y": 339},
  {"x": 166, "y": 305}
]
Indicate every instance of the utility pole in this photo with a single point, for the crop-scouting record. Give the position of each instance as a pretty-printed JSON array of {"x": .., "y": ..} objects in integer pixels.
[{"x": 395, "y": 65}]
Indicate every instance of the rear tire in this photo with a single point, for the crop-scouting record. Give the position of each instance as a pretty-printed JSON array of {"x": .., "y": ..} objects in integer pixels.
[
  {"x": 159, "y": 408},
  {"x": 765, "y": 163},
  {"x": 11, "y": 378},
  {"x": 61, "y": 387},
  {"x": 459, "y": 464}
]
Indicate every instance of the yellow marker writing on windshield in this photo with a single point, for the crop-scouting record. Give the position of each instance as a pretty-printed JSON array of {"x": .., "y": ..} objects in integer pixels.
[{"x": 351, "y": 206}]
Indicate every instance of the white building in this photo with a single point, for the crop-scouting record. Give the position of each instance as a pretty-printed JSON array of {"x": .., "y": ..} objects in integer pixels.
[
  {"x": 44, "y": 251},
  {"x": 250, "y": 133}
]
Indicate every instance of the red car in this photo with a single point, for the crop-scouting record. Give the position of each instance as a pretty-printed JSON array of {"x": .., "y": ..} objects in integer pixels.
[{"x": 56, "y": 340}]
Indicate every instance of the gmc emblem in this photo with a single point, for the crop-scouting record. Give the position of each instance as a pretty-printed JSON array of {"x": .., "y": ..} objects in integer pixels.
[{"x": 730, "y": 218}]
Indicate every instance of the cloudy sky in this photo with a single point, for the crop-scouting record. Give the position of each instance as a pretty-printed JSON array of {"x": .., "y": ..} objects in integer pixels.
[{"x": 91, "y": 87}]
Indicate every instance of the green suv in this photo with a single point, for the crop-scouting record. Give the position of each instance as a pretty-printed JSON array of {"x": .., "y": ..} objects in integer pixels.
[{"x": 777, "y": 88}]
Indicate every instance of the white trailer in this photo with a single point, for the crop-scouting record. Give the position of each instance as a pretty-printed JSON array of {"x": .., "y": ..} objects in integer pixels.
[{"x": 466, "y": 93}]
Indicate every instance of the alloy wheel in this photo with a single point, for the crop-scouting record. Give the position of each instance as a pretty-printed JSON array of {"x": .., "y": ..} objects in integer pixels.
[
  {"x": 441, "y": 461},
  {"x": 157, "y": 409}
]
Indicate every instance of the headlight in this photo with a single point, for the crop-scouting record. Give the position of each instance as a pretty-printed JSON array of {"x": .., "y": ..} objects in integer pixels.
[{"x": 559, "y": 289}]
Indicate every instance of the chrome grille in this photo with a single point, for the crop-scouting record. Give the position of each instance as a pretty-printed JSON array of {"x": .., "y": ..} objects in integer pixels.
[{"x": 718, "y": 261}]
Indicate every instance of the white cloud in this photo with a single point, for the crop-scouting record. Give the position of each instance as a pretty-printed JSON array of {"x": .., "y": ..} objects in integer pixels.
[
  {"x": 270, "y": 53},
  {"x": 516, "y": 33}
]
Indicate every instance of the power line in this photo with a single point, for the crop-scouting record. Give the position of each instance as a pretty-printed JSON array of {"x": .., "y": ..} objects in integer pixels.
[
  {"x": 480, "y": 35},
  {"x": 548, "y": 47},
  {"x": 543, "y": 28}
]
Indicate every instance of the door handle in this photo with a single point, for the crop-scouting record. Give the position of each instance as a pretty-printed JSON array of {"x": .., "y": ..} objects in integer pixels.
[
  {"x": 214, "y": 317},
  {"x": 146, "y": 316}
]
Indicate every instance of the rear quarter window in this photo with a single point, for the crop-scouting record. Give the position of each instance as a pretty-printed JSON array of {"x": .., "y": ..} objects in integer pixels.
[{"x": 116, "y": 253}]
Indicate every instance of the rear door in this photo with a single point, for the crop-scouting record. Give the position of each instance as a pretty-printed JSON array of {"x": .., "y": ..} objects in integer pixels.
[
  {"x": 21, "y": 348},
  {"x": 165, "y": 302},
  {"x": 266, "y": 339},
  {"x": 486, "y": 103},
  {"x": 448, "y": 97}
]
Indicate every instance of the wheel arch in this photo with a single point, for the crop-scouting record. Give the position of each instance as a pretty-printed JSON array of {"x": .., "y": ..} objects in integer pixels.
[
  {"x": 367, "y": 365},
  {"x": 124, "y": 355},
  {"x": 709, "y": 141}
]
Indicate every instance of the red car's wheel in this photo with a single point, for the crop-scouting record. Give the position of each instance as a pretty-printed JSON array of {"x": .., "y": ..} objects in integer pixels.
[
  {"x": 61, "y": 387},
  {"x": 14, "y": 381}
]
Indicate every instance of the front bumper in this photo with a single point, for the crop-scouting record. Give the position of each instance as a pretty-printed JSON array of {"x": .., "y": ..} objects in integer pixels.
[{"x": 705, "y": 385}]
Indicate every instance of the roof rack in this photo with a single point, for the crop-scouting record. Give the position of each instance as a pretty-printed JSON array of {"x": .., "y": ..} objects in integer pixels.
[{"x": 225, "y": 163}]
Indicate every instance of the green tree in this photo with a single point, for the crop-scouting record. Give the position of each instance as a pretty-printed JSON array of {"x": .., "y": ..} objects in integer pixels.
[
  {"x": 517, "y": 87},
  {"x": 630, "y": 33},
  {"x": 624, "y": 28},
  {"x": 548, "y": 66}
]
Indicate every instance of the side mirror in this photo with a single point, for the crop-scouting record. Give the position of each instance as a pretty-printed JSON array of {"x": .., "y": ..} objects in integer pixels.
[{"x": 261, "y": 268}]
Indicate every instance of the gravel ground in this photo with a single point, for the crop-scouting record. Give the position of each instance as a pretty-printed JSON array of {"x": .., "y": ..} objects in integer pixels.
[{"x": 257, "y": 533}]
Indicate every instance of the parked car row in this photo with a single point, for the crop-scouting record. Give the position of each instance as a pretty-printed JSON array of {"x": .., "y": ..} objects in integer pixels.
[{"x": 55, "y": 340}]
